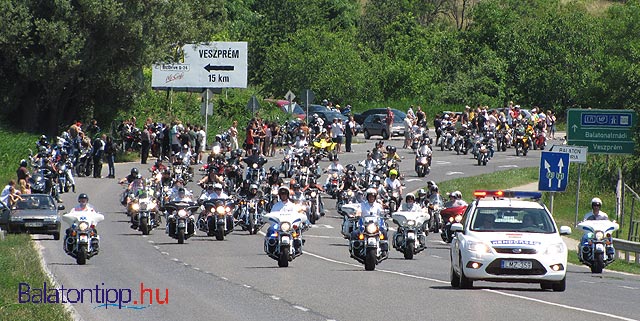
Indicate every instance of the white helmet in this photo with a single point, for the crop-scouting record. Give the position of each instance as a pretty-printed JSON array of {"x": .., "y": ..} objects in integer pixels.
[
  {"x": 457, "y": 194},
  {"x": 595, "y": 201},
  {"x": 371, "y": 191},
  {"x": 315, "y": 115}
]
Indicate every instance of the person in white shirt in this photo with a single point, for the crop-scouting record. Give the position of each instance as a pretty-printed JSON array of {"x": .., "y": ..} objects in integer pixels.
[
  {"x": 410, "y": 204},
  {"x": 185, "y": 155},
  {"x": 370, "y": 207},
  {"x": 213, "y": 192},
  {"x": 337, "y": 133},
  {"x": 370, "y": 163},
  {"x": 334, "y": 168},
  {"x": 596, "y": 214},
  {"x": 392, "y": 182}
]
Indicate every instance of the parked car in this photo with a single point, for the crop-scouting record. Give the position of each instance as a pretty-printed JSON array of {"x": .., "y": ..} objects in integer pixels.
[
  {"x": 36, "y": 214},
  {"x": 298, "y": 112},
  {"x": 375, "y": 125},
  {"x": 5, "y": 212},
  {"x": 398, "y": 115},
  {"x": 328, "y": 116}
]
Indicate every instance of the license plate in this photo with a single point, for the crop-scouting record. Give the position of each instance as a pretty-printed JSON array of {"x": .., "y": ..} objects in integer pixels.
[
  {"x": 371, "y": 241},
  {"x": 285, "y": 240},
  {"x": 181, "y": 224},
  {"x": 33, "y": 224},
  {"x": 518, "y": 265},
  {"x": 84, "y": 238},
  {"x": 411, "y": 236}
]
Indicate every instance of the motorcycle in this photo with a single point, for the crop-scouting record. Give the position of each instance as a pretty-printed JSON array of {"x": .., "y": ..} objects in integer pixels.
[
  {"x": 502, "y": 140},
  {"x": 217, "y": 218},
  {"x": 251, "y": 215},
  {"x": 144, "y": 212},
  {"x": 290, "y": 161},
  {"x": 346, "y": 197},
  {"x": 521, "y": 143},
  {"x": 313, "y": 210},
  {"x": 84, "y": 164},
  {"x": 180, "y": 220},
  {"x": 394, "y": 200},
  {"x": 449, "y": 216},
  {"x": 333, "y": 185},
  {"x": 596, "y": 247},
  {"x": 369, "y": 245},
  {"x": 323, "y": 147},
  {"x": 82, "y": 241},
  {"x": 447, "y": 138},
  {"x": 423, "y": 160},
  {"x": 283, "y": 241},
  {"x": 539, "y": 139},
  {"x": 410, "y": 239},
  {"x": 434, "y": 224},
  {"x": 483, "y": 153},
  {"x": 350, "y": 216},
  {"x": 64, "y": 176}
]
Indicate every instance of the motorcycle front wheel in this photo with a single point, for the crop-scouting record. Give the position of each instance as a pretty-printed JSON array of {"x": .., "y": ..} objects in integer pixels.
[
  {"x": 408, "y": 250},
  {"x": 144, "y": 226},
  {"x": 370, "y": 259},
  {"x": 181, "y": 236},
  {"x": 598, "y": 263},
  {"x": 81, "y": 259},
  {"x": 283, "y": 259}
]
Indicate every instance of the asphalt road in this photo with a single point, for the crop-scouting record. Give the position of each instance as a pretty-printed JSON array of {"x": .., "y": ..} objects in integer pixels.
[{"x": 234, "y": 280}]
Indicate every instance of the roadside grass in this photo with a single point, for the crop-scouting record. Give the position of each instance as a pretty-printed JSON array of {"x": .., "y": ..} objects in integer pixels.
[
  {"x": 564, "y": 203},
  {"x": 14, "y": 146},
  {"x": 19, "y": 263}
]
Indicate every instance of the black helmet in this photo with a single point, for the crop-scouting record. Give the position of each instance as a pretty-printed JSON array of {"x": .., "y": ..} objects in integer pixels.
[
  {"x": 134, "y": 171},
  {"x": 351, "y": 167},
  {"x": 83, "y": 195},
  {"x": 391, "y": 149},
  {"x": 23, "y": 163},
  {"x": 43, "y": 137}
]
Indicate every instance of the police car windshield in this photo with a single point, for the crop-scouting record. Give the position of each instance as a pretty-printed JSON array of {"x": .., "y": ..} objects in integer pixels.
[{"x": 529, "y": 220}]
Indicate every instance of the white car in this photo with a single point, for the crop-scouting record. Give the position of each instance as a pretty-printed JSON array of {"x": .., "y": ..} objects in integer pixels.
[{"x": 503, "y": 238}]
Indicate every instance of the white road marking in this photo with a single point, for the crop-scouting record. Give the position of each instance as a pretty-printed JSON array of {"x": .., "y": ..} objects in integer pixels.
[
  {"x": 413, "y": 179},
  {"x": 487, "y": 290},
  {"x": 175, "y": 259},
  {"x": 186, "y": 264},
  {"x": 628, "y": 287},
  {"x": 303, "y": 309},
  {"x": 144, "y": 236},
  {"x": 247, "y": 286},
  {"x": 222, "y": 277},
  {"x": 436, "y": 256},
  {"x": 454, "y": 173},
  {"x": 164, "y": 253},
  {"x": 156, "y": 247},
  {"x": 321, "y": 226},
  {"x": 196, "y": 268},
  {"x": 322, "y": 236},
  {"x": 508, "y": 166},
  {"x": 275, "y": 297},
  {"x": 440, "y": 162},
  {"x": 150, "y": 241}
]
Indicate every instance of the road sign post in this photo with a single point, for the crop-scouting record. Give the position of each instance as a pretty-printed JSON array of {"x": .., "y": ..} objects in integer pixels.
[
  {"x": 554, "y": 174},
  {"x": 577, "y": 154},
  {"x": 603, "y": 131}
]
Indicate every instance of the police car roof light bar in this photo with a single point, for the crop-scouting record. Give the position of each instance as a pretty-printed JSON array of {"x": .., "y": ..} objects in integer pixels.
[{"x": 507, "y": 194}]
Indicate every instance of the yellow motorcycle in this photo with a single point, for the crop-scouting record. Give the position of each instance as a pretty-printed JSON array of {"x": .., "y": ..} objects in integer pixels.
[{"x": 323, "y": 147}]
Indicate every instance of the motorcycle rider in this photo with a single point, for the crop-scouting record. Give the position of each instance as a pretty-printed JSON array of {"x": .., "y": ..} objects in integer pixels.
[
  {"x": 392, "y": 182},
  {"x": 23, "y": 171},
  {"x": 63, "y": 159},
  {"x": 218, "y": 192},
  {"x": 158, "y": 166},
  {"x": 455, "y": 200},
  {"x": 83, "y": 206},
  {"x": 334, "y": 168},
  {"x": 182, "y": 196},
  {"x": 370, "y": 164},
  {"x": 410, "y": 204},
  {"x": 371, "y": 207},
  {"x": 274, "y": 177},
  {"x": 596, "y": 214}
]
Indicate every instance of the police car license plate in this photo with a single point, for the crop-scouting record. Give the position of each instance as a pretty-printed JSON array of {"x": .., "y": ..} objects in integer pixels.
[{"x": 516, "y": 264}]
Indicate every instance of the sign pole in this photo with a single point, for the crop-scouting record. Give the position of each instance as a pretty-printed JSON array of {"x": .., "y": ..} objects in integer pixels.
[
  {"x": 578, "y": 193},
  {"x": 306, "y": 102},
  {"x": 206, "y": 110},
  {"x": 551, "y": 202}
]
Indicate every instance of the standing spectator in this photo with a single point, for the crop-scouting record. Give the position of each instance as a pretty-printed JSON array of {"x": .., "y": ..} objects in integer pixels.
[
  {"x": 191, "y": 131},
  {"x": 146, "y": 144},
  {"x": 249, "y": 140},
  {"x": 551, "y": 125},
  {"x": 93, "y": 129},
  {"x": 389, "y": 121},
  {"x": 98, "y": 152},
  {"x": 166, "y": 142},
  {"x": 349, "y": 132},
  {"x": 421, "y": 117},
  {"x": 200, "y": 143},
  {"x": 275, "y": 134},
  {"x": 110, "y": 150},
  {"x": 268, "y": 136},
  {"x": 23, "y": 171},
  {"x": 337, "y": 132},
  {"x": 174, "y": 134},
  {"x": 233, "y": 132},
  {"x": 408, "y": 126}
]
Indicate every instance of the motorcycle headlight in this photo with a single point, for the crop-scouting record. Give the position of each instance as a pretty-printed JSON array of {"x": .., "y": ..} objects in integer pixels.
[
  {"x": 216, "y": 149},
  {"x": 395, "y": 194},
  {"x": 285, "y": 226},
  {"x": 135, "y": 206},
  {"x": 313, "y": 194},
  {"x": 371, "y": 228},
  {"x": 479, "y": 247},
  {"x": 220, "y": 210},
  {"x": 182, "y": 213},
  {"x": 83, "y": 226},
  {"x": 451, "y": 219},
  {"x": 254, "y": 165},
  {"x": 152, "y": 206},
  {"x": 350, "y": 193},
  {"x": 411, "y": 223},
  {"x": 555, "y": 249},
  {"x": 458, "y": 218},
  {"x": 599, "y": 235},
  {"x": 436, "y": 207}
]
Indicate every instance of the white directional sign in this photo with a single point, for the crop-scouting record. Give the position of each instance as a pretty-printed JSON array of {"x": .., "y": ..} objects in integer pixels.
[
  {"x": 577, "y": 154},
  {"x": 211, "y": 65}
]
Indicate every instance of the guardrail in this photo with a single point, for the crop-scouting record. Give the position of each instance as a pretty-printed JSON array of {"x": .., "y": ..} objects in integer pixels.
[{"x": 631, "y": 250}]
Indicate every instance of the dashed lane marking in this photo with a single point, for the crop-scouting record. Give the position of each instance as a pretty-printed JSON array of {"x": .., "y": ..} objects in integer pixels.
[{"x": 303, "y": 309}]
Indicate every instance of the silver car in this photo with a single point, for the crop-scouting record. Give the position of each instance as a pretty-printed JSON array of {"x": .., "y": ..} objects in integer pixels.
[{"x": 36, "y": 214}]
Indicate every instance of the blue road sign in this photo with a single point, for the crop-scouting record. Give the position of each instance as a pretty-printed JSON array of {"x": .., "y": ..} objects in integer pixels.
[{"x": 554, "y": 172}]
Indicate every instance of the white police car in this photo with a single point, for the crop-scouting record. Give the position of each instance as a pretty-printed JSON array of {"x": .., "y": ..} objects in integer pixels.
[{"x": 506, "y": 239}]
